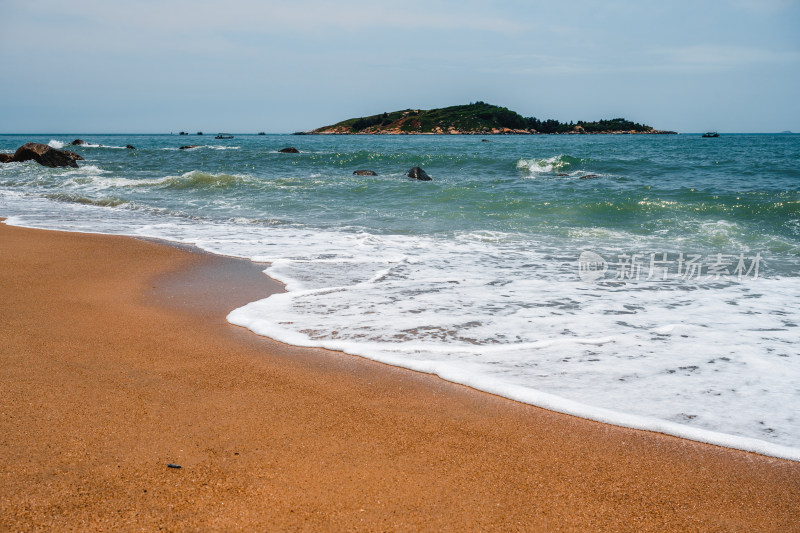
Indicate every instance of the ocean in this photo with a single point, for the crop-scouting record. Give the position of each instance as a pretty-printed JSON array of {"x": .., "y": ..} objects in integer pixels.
[{"x": 649, "y": 281}]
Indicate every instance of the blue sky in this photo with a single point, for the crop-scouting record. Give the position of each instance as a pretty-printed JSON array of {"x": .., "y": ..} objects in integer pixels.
[{"x": 248, "y": 66}]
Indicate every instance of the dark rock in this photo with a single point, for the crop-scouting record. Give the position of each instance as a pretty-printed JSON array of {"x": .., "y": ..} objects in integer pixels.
[
  {"x": 589, "y": 177},
  {"x": 129, "y": 147},
  {"x": 289, "y": 150},
  {"x": 418, "y": 174},
  {"x": 73, "y": 155},
  {"x": 485, "y": 141},
  {"x": 6, "y": 158},
  {"x": 171, "y": 465},
  {"x": 562, "y": 174},
  {"x": 364, "y": 173},
  {"x": 78, "y": 142},
  {"x": 46, "y": 155},
  {"x": 188, "y": 146}
]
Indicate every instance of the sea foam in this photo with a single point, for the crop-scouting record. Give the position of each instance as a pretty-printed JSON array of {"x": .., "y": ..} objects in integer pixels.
[
  {"x": 548, "y": 165},
  {"x": 708, "y": 362}
]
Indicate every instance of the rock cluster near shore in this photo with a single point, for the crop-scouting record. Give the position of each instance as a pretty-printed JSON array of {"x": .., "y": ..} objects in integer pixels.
[
  {"x": 48, "y": 156},
  {"x": 43, "y": 154}
]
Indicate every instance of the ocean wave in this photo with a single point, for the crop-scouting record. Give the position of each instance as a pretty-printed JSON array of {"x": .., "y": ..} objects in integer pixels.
[
  {"x": 90, "y": 145},
  {"x": 548, "y": 165},
  {"x": 86, "y": 169},
  {"x": 189, "y": 180},
  {"x": 525, "y": 333},
  {"x": 85, "y": 200},
  {"x": 203, "y": 180},
  {"x": 60, "y": 145}
]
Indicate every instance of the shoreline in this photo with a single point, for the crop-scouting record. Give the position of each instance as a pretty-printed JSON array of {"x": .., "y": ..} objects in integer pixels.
[
  {"x": 298, "y": 437},
  {"x": 187, "y": 289}
]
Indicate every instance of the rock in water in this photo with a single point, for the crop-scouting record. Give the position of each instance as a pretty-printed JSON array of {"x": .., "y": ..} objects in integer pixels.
[
  {"x": 418, "y": 174},
  {"x": 289, "y": 150},
  {"x": 364, "y": 173},
  {"x": 6, "y": 158},
  {"x": 46, "y": 155},
  {"x": 589, "y": 177},
  {"x": 78, "y": 142},
  {"x": 129, "y": 147},
  {"x": 188, "y": 146}
]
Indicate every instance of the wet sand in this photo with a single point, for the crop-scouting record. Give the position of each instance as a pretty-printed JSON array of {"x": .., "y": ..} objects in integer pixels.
[{"x": 116, "y": 360}]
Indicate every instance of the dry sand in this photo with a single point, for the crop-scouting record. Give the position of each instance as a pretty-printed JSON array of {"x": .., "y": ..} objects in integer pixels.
[{"x": 115, "y": 360}]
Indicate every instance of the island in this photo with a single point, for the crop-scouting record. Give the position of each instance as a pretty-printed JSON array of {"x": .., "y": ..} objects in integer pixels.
[{"x": 478, "y": 118}]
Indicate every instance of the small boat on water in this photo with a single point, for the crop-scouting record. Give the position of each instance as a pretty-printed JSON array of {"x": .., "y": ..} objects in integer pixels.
[
  {"x": 261, "y": 133},
  {"x": 224, "y": 136},
  {"x": 711, "y": 134}
]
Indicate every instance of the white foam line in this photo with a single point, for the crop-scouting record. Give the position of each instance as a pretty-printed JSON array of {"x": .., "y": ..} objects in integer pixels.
[{"x": 448, "y": 372}]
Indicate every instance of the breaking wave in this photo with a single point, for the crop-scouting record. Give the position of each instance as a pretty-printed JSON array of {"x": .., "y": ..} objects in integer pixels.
[
  {"x": 77, "y": 199},
  {"x": 203, "y": 180},
  {"x": 557, "y": 163}
]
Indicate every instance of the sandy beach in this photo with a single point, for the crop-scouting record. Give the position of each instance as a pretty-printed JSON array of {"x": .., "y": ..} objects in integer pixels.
[{"x": 116, "y": 360}]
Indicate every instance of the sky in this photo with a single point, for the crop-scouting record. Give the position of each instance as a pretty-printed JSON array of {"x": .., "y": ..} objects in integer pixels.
[{"x": 142, "y": 66}]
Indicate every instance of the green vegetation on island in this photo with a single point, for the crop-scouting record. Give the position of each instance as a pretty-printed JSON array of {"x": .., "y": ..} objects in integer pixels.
[{"x": 477, "y": 118}]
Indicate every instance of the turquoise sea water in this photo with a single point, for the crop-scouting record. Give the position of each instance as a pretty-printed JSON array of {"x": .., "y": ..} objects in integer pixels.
[{"x": 662, "y": 293}]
